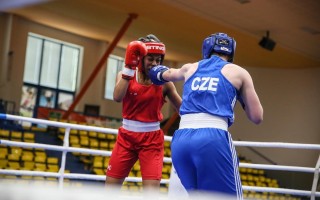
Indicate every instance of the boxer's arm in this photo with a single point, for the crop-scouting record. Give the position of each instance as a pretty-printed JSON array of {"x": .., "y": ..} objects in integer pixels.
[{"x": 250, "y": 99}]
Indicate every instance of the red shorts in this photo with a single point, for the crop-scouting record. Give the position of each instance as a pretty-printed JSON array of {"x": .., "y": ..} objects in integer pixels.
[{"x": 131, "y": 146}]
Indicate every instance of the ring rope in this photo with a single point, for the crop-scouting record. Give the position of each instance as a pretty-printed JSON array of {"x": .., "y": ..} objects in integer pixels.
[
  {"x": 280, "y": 190},
  {"x": 167, "y": 138},
  {"x": 58, "y": 124},
  {"x": 278, "y": 145},
  {"x": 69, "y": 175},
  {"x": 278, "y": 167},
  {"x": 65, "y": 148}
]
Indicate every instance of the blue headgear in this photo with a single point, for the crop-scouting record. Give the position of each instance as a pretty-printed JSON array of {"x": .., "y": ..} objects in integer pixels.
[{"x": 219, "y": 43}]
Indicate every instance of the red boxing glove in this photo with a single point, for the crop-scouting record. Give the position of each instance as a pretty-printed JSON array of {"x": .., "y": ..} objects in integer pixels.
[{"x": 136, "y": 50}]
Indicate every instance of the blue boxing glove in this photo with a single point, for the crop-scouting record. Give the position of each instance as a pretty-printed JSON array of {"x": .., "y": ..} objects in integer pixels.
[{"x": 155, "y": 74}]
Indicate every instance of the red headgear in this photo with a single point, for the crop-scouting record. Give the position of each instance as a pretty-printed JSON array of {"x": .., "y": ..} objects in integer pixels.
[{"x": 154, "y": 46}]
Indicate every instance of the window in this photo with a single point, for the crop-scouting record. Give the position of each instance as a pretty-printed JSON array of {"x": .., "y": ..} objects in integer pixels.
[
  {"x": 51, "y": 73},
  {"x": 114, "y": 65}
]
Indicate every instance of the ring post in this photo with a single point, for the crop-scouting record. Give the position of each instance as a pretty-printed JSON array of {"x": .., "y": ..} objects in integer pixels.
[{"x": 315, "y": 180}]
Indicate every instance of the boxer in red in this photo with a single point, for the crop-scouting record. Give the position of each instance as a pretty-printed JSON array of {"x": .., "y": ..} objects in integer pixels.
[{"x": 140, "y": 137}]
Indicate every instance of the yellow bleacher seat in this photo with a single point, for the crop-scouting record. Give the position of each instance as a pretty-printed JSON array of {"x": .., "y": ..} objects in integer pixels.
[
  {"x": 102, "y": 136},
  {"x": 3, "y": 152},
  {"x": 40, "y": 152},
  {"x": 3, "y": 163},
  {"x": 16, "y": 135},
  {"x": 73, "y": 132},
  {"x": 259, "y": 184},
  {"x": 13, "y": 157},
  {"x": 16, "y": 150},
  {"x": 4, "y": 134},
  {"x": 251, "y": 183},
  {"x": 242, "y": 170},
  {"x": 103, "y": 145},
  {"x": 136, "y": 166},
  {"x": 167, "y": 144},
  {"x": 249, "y": 170},
  {"x": 74, "y": 140},
  {"x": 28, "y": 136},
  {"x": 83, "y": 133},
  {"x": 111, "y": 136},
  {"x": 166, "y": 169},
  {"x": 97, "y": 164},
  {"x": 106, "y": 163},
  {"x": 257, "y": 196},
  {"x": 27, "y": 157},
  {"x": 52, "y": 160},
  {"x": 243, "y": 177},
  {"x": 255, "y": 171},
  {"x": 256, "y": 178},
  {"x": 93, "y": 134},
  {"x": 40, "y": 167},
  {"x": 94, "y": 143},
  {"x": 111, "y": 145},
  {"x": 28, "y": 165},
  {"x": 99, "y": 171},
  {"x": 84, "y": 141},
  {"x": 40, "y": 158},
  {"x": 13, "y": 165},
  {"x": 244, "y": 183},
  {"x": 132, "y": 174},
  {"x": 97, "y": 159},
  {"x": 167, "y": 152},
  {"x": 138, "y": 174},
  {"x": 52, "y": 168},
  {"x": 3, "y": 156},
  {"x": 262, "y": 178},
  {"x": 165, "y": 176}
]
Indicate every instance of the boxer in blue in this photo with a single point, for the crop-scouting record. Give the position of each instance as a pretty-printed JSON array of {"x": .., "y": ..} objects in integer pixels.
[{"x": 202, "y": 149}]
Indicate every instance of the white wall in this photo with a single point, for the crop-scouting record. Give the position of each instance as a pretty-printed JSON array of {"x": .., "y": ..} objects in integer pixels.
[{"x": 290, "y": 98}]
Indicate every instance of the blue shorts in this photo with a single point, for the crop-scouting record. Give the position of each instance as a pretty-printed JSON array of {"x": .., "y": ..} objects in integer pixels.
[{"x": 205, "y": 159}]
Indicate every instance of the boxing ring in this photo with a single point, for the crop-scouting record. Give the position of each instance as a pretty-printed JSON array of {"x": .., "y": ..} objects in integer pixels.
[{"x": 61, "y": 175}]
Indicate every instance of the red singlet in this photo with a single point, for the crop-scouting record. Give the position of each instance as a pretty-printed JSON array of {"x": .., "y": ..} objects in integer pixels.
[{"x": 141, "y": 103}]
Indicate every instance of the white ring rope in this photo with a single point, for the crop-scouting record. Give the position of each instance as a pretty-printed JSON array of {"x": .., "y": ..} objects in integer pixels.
[
  {"x": 65, "y": 148},
  {"x": 278, "y": 145},
  {"x": 279, "y": 190},
  {"x": 69, "y": 175},
  {"x": 59, "y": 124},
  {"x": 278, "y": 167}
]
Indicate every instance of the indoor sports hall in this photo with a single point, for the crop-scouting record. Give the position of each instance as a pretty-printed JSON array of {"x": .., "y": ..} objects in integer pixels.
[{"x": 59, "y": 123}]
